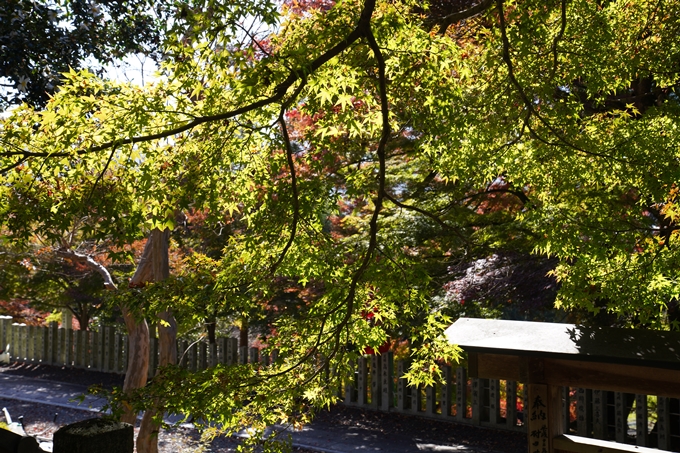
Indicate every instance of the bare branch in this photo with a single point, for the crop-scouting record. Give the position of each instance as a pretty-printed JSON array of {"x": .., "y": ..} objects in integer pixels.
[
  {"x": 450, "y": 19},
  {"x": 90, "y": 262}
]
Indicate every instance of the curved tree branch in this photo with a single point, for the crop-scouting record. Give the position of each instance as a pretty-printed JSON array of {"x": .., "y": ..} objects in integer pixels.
[{"x": 91, "y": 263}]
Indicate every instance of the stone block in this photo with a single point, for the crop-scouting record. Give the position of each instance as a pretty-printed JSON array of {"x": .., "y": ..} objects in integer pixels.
[
  {"x": 95, "y": 435},
  {"x": 14, "y": 443}
]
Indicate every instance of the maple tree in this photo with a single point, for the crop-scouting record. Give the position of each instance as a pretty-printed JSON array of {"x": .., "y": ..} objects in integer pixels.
[{"x": 364, "y": 146}]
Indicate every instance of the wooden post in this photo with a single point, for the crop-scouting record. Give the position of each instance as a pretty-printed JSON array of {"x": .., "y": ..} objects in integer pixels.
[
  {"x": 362, "y": 393},
  {"x": 494, "y": 401},
  {"x": 108, "y": 348},
  {"x": 431, "y": 400},
  {"x": 222, "y": 350},
  {"x": 642, "y": 433},
  {"x": 101, "y": 348},
  {"x": 387, "y": 382},
  {"x": 544, "y": 416},
  {"x": 350, "y": 386},
  {"x": 476, "y": 401},
  {"x": 90, "y": 350},
  {"x": 566, "y": 408},
  {"x": 416, "y": 399},
  {"x": 401, "y": 386},
  {"x": 68, "y": 347},
  {"x": 202, "y": 355},
  {"x": 193, "y": 357},
  {"x": 243, "y": 355},
  {"x": 599, "y": 414},
  {"x": 232, "y": 351},
  {"x": 44, "y": 345},
  {"x": 183, "y": 353},
  {"x": 253, "y": 356},
  {"x": 461, "y": 393},
  {"x": 663, "y": 422},
  {"x": 584, "y": 412},
  {"x": 5, "y": 329},
  {"x": 213, "y": 355},
  {"x": 17, "y": 347},
  {"x": 376, "y": 379},
  {"x": 511, "y": 403},
  {"x": 118, "y": 353},
  {"x": 445, "y": 397},
  {"x": 78, "y": 349},
  {"x": 126, "y": 352},
  {"x": 23, "y": 342},
  {"x": 31, "y": 355},
  {"x": 620, "y": 417}
]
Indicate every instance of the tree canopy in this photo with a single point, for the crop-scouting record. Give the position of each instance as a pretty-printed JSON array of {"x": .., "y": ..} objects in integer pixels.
[
  {"x": 361, "y": 148},
  {"x": 41, "y": 39}
]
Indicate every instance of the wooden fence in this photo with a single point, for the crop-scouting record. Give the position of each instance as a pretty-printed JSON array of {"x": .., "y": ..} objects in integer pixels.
[{"x": 378, "y": 384}]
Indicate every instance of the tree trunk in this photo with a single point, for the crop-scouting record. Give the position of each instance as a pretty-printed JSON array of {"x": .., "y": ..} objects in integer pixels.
[
  {"x": 211, "y": 327},
  {"x": 138, "y": 359},
  {"x": 153, "y": 266},
  {"x": 147, "y": 439},
  {"x": 243, "y": 334}
]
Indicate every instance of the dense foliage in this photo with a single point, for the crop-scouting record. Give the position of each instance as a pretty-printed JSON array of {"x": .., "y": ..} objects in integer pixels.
[
  {"x": 359, "y": 150},
  {"x": 41, "y": 39}
]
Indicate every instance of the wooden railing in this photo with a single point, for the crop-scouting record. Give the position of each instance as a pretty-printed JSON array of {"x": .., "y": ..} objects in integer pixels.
[{"x": 378, "y": 384}]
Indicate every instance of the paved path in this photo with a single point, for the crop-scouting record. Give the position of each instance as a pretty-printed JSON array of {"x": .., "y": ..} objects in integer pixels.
[{"x": 323, "y": 437}]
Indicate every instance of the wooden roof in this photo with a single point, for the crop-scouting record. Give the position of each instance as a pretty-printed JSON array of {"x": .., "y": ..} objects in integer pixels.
[{"x": 660, "y": 349}]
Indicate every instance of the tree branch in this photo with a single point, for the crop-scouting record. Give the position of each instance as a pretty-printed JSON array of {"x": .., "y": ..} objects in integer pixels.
[{"x": 90, "y": 262}]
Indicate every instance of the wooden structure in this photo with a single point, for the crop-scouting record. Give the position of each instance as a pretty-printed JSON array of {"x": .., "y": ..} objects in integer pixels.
[{"x": 547, "y": 356}]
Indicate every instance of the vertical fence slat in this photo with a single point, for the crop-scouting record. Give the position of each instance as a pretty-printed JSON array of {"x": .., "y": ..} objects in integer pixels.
[
  {"x": 5, "y": 331},
  {"x": 641, "y": 431},
  {"x": 401, "y": 386},
  {"x": 599, "y": 414},
  {"x": 253, "y": 356},
  {"x": 416, "y": 399},
  {"x": 476, "y": 401},
  {"x": 431, "y": 400},
  {"x": 663, "y": 422},
  {"x": 511, "y": 403},
  {"x": 23, "y": 335},
  {"x": 68, "y": 346},
  {"x": 386, "y": 381},
  {"x": 461, "y": 393},
  {"x": 446, "y": 394},
  {"x": 494, "y": 401},
  {"x": 362, "y": 378},
  {"x": 126, "y": 353},
  {"x": 45, "y": 345},
  {"x": 117, "y": 352},
  {"x": 584, "y": 412},
  {"x": 350, "y": 387},
  {"x": 78, "y": 349},
  {"x": 620, "y": 417},
  {"x": 109, "y": 348},
  {"x": 221, "y": 350},
  {"x": 376, "y": 389},
  {"x": 16, "y": 342},
  {"x": 98, "y": 349},
  {"x": 213, "y": 354},
  {"x": 193, "y": 357},
  {"x": 30, "y": 352},
  {"x": 232, "y": 350}
]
